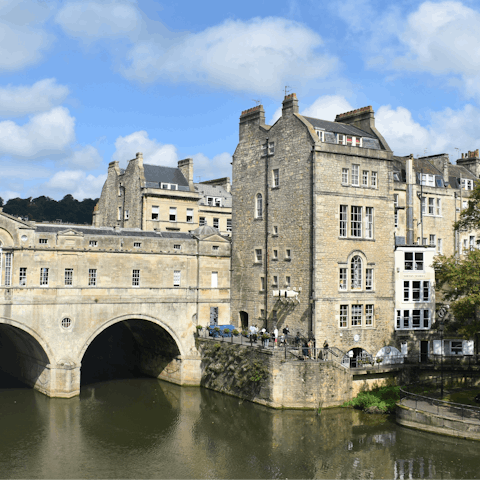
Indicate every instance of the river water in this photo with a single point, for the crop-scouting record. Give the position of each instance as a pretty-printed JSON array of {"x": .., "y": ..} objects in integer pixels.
[{"x": 146, "y": 428}]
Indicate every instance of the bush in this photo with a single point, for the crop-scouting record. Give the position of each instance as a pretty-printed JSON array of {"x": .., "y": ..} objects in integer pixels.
[
  {"x": 235, "y": 332},
  {"x": 199, "y": 328},
  {"x": 384, "y": 399}
]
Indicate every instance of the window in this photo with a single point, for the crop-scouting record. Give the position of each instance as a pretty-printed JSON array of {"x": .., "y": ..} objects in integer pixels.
[
  {"x": 92, "y": 277},
  {"x": 467, "y": 184},
  {"x": 259, "y": 206},
  {"x": 268, "y": 149},
  {"x": 374, "y": 180},
  {"x": 23, "y": 276},
  {"x": 189, "y": 215},
  {"x": 288, "y": 254},
  {"x": 229, "y": 224},
  {"x": 119, "y": 215},
  {"x": 92, "y": 243},
  {"x": 464, "y": 204},
  {"x": 431, "y": 206},
  {"x": 343, "y": 279},
  {"x": 465, "y": 241},
  {"x": 68, "y": 277},
  {"x": 176, "y": 278},
  {"x": 344, "y": 176},
  {"x": 368, "y": 315},
  {"x": 356, "y": 221},
  {"x": 413, "y": 261},
  {"x": 202, "y": 221},
  {"x": 177, "y": 247},
  {"x": 416, "y": 291},
  {"x": 275, "y": 255},
  {"x": 155, "y": 213},
  {"x": 428, "y": 180},
  {"x": 258, "y": 255},
  {"x": 262, "y": 283},
  {"x": 135, "y": 278},
  {"x": 137, "y": 244},
  {"x": 343, "y": 316},
  {"x": 369, "y": 279},
  {"x": 321, "y": 134},
  {"x": 343, "y": 220},
  {"x": 472, "y": 242},
  {"x": 173, "y": 214},
  {"x": 275, "y": 280},
  {"x": 216, "y": 223},
  {"x": 127, "y": 215},
  {"x": 8, "y": 269},
  {"x": 440, "y": 246},
  {"x": 287, "y": 281},
  {"x": 356, "y": 273},
  {"x": 215, "y": 248},
  {"x": 355, "y": 174},
  {"x": 365, "y": 178},
  {"x": 439, "y": 207},
  {"x": 456, "y": 347},
  {"x": 357, "y": 315},
  {"x": 412, "y": 319},
  {"x": 214, "y": 282},
  {"x": 340, "y": 139},
  {"x": 395, "y": 204},
  {"x": 368, "y": 222},
  {"x": 42, "y": 241},
  {"x": 44, "y": 276},
  {"x": 424, "y": 241},
  {"x": 276, "y": 177},
  {"x": 210, "y": 201},
  {"x": 169, "y": 186},
  {"x": 275, "y": 230},
  {"x": 432, "y": 240},
  {"x": 424, "y": 209}
]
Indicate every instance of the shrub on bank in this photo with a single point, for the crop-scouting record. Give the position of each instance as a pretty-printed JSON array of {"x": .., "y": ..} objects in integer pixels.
[{"x": 379, "y": 400}]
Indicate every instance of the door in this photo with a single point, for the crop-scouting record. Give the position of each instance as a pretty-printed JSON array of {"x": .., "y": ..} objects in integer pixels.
[
  {"x": 423, "y": 351},
  {"x": 244, "y": 320}
]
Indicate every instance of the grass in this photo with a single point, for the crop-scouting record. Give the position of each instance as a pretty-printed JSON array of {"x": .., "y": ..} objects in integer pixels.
[
  {"x": 465, "y": 396},
  {"x": 384, "y": 399}
]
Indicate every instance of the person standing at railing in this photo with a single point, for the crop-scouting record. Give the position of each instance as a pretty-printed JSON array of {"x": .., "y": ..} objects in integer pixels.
[
  {"x": 325, "y": 349},
  {"x": 286, "y": 332},
  {"x": 275, "y": 334}
]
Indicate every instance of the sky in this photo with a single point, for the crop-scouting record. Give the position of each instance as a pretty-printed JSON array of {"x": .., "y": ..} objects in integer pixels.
[{"x": 86, "y": 83}]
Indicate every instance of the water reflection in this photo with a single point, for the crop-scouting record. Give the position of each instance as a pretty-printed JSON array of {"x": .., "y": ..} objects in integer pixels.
[{"x": 144, "y": 428}]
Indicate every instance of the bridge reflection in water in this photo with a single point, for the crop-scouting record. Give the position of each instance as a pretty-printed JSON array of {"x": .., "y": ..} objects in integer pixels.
[{"x": 146, "y": 428}]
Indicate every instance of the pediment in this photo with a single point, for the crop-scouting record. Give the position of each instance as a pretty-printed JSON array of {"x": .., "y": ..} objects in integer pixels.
[
  {"x": 70, "y": 232},
  {"x": 215, "y": 238}
]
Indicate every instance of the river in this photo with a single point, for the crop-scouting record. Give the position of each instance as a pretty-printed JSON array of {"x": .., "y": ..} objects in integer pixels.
[{"x": 146, "y": 428}]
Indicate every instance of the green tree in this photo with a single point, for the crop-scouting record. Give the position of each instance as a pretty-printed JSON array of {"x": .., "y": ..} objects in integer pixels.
[{"x": 470, "y": 216}]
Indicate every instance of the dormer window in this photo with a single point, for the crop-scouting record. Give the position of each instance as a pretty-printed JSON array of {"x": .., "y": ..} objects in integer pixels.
[
  {"x": 214, "y": 201},
  {"x": 321, "y": 134},
  {"x": 428, "y": 180},
  {"x": 467, "y": 184},
  {"x": 340, "y": 139},
  {"x": 169, "y": 186}
]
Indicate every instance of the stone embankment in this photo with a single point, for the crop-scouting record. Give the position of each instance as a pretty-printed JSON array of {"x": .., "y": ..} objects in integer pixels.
[{"x": 278, "y": 379}]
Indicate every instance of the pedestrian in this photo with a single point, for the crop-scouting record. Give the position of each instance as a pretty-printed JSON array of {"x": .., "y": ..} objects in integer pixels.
[
  {"x": 266, "y": 338},
  {"x": 286, "y": 332},
  {"x": 275, "y": 334},
  {"x": 297, "y": 339},
  {"x": 325, "y": 349},
  {"x": 309, "y": 345}
]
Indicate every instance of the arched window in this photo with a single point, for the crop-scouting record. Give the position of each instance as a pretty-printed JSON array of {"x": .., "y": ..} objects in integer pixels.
[
  {"x": 259, "y": 206},
  {"x": 356, "y": 272}
]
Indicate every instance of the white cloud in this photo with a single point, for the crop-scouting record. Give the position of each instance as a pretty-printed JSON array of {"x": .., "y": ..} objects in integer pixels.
[
  {"x": 44, "y": 133},
  {"x": 208, "y": 169},
  {"x": 23, "y": 100},
  {"x": 77, "y": 183},
  {"x": 328, "y": 107},
  {"x": 259, "y": 55},
  {"x": 93, "y": 20},
  {"x": 447, "y": 130},
  {"x": 22, "y": 37},
  {"x": 86, "y": 158},
  {"x": 154, "y": 153},
  {"x": 8, "y": 194}
]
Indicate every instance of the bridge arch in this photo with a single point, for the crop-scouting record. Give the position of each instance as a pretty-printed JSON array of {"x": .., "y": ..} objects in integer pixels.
[
  {"x": 132, "y": 345},
  {"x": 24, "y": 354}
]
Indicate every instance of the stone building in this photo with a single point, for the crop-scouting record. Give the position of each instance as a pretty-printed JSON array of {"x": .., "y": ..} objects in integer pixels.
[
  {"x": 62, "y": 286},
  {"x": 152, "y": 197},
  {"x": 325, "y": 220},
  {"x": 313, "y": 227}
]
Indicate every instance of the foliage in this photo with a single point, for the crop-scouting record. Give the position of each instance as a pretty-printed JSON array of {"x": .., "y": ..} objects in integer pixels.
[
  {"x": 199, "y": 328},
  {"x": 258, "y": 372},
  {"x": 384, "y": 399},
  {"x": 41, "y": 209},
  {"x": 235, "y": 332},
  {"x": 459, "y": 278},
  {"x": 470, "y": 216}
]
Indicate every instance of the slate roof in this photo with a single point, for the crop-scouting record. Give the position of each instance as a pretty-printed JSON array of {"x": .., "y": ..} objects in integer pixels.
[
  {"x": 119, "y": 232},
  {"x": 213, "y": 191},
  {"x": 159, "y": 174},
  {"x": 337, "y": 127}
]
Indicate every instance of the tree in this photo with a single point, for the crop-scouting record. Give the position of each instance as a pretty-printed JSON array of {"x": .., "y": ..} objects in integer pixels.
[{"x": 459, "y": 278}]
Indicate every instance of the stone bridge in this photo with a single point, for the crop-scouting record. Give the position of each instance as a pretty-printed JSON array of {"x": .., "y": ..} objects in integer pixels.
[{"x": 66, "y": 292}]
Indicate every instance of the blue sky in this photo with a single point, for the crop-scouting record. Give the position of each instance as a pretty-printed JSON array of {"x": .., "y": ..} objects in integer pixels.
[{"x": 85, "y": 83}]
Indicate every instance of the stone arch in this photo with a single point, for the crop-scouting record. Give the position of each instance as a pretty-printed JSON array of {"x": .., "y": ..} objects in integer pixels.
[
  {"x": 47, "y": 353},
  {"x": 122, "y": 318},
  {"x": 6, "y": 238}
]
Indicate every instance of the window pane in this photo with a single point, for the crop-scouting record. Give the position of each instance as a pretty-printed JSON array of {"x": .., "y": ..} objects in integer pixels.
[
  {"x": 356, "y": 272},
  {"x": 356, "y": 221}
]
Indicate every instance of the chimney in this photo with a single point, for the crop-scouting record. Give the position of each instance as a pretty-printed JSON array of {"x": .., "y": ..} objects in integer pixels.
[
  {"x": 253, "y": 117},
  {"x": 139, "y": 158},
  {"x": 290, "y": 105},
  {"x": 186, "y": 167},
  {"x": 410, "y": 183},
  {"x": 364, "y": 119},
  {"x": 471, "y": 161}
]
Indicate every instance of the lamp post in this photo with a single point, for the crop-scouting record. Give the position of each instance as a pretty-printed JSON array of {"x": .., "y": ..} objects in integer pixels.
[{"x": 440, "y": 327}]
